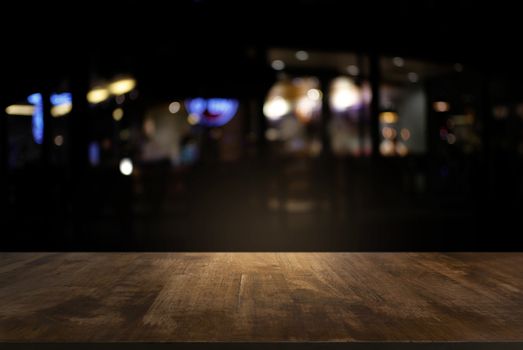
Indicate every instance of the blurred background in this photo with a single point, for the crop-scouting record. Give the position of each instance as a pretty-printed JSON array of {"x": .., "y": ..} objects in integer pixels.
[{"x": 263, "y": 125}]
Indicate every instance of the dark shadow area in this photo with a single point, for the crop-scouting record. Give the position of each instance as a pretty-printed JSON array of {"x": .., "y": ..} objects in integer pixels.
[{"x": 262, "y": 126}]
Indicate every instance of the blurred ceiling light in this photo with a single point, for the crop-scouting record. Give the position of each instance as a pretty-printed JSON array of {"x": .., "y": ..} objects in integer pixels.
[
  {"x": 126, "y": 166},
  {"x": 343, "y": 100},
  {"x": 278, "y": 65},
  {"x": 398, "y": 61},
  {"x": 441, "y": 106},
  {"x": 118, "y": 114},
  {"x": 174, "y": 107},
  {"x": 353, "y": 70},
  {"x": 344, "y": 94},
  {"x": 389, "y": 117},
  {"x": 58, "y": 140},
  {"x": 122, "y": 86},
  {"x": 302, "y": 55},
  {"x": 413, "y": 77},
  {"x": 97, "y": 95},
  {"x": 62, "y": 104},
  {"x": 61, "y": 110},
  {"x": 193, "y": 119},
  {"x": 20, "y": 110},
  {"x": 314, "y": 94},
  {"x": 276, "y": 107},
  {"x": 458, "y": 67}
]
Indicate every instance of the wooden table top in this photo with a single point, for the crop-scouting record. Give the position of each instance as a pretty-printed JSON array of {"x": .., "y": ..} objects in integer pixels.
[{"x": 238, "y": 297}]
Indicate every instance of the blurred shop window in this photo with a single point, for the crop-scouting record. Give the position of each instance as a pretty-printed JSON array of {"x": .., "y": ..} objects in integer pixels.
[
  {"x": 293, "y": 110},
  {"x": 455, "y": 106},
  {"x": 164, "y": 133},
  {"x": 507, "y": 116},
  {"x": 318, "y": 93},
  {"x": 428, "y": 105},
  {"x": 403, "y": 103},
  {"x": 349, "y": 126},
  {"x": 184, "y": 132},
  {"x": 26, "y": 129}
]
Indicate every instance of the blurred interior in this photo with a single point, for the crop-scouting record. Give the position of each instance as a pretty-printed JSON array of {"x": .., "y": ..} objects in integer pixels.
[{"x": 322, "y": 126}]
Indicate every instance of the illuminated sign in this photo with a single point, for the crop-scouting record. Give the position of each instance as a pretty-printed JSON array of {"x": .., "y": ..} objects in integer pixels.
[
  {"x": 37, "y": 122},
  {"x": 213, "y": 111},
  {"x": 61, "y": 99}
]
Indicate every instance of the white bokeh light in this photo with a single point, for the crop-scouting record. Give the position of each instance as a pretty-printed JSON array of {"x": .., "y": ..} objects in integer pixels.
[
  {"x": 276, "y": 108},
  {"x": 344, "y": 94},
  {"x": 302, "y": 55},
  {"x": 278, "y": 65},
  {"x": 126, "y": 166}
]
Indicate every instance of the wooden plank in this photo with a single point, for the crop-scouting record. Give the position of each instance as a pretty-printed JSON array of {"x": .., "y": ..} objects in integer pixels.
[{"x": 265, "y": 297}]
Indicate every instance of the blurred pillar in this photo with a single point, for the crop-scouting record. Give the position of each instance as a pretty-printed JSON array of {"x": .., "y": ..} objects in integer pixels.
[
  {"x": 326, "y": 117},
  {"x": 487, "y": 183},
  {"x": 47, "y": 143},
  {"x": 79, "y": 122},
  {"x": 261, "y": 127},
  {"x": 261, "y": 66},
  {"x": 4, "y": 155},
  {"x": 362, "y": 111},
  {"x": 487, "y": 120},
  {"x": 375, "y": 78},
  {"x": 78, "y": 151},
  {"x": 45, "y": 178}
]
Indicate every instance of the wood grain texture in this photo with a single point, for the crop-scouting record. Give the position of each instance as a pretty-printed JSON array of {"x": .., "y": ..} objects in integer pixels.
[{"x": 105, "y": 297}]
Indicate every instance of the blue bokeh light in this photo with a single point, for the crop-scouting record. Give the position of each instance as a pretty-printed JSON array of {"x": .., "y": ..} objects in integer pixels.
[
  {"x": 37, "y": 122},
  {"x": 212, "y": 111},
  {"x": 62, "y": 98}
]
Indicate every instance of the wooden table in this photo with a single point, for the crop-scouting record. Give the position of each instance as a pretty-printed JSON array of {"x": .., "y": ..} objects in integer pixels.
[{"x": 261, "y": 297}]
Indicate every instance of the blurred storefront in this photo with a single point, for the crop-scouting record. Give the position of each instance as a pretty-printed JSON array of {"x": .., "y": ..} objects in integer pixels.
[{"x": 300, "y": 141}]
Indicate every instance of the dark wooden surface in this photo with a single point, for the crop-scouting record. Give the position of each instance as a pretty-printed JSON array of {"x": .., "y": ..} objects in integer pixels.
[{"x": 170, "y": 297}]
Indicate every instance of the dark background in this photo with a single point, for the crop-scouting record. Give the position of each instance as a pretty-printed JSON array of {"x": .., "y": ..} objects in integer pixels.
[{"x": 220, "y": 48}]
